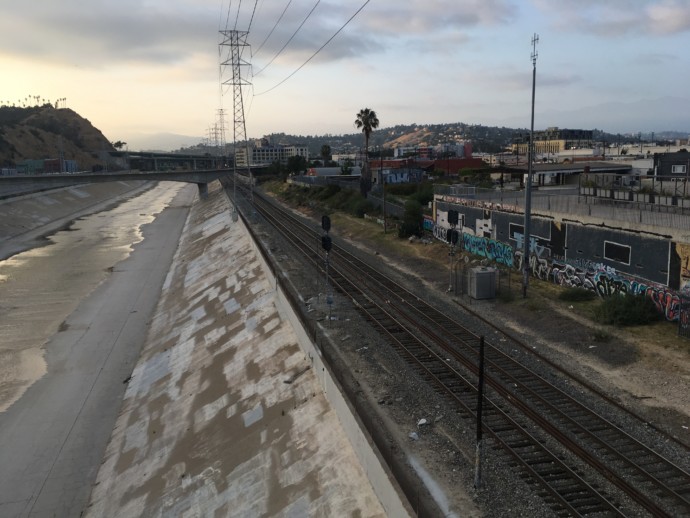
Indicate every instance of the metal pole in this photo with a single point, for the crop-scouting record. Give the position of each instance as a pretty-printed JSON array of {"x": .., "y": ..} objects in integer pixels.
[
  {"x": 329, "y": 299},
  {"x": 528, "y": 187},
  {"x": 480, "y": 404},
  {"x": 383, "y": 184},
  {"x": 450, "y": 267}
]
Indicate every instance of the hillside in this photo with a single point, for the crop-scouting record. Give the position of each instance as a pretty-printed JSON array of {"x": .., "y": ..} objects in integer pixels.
[
  {"x": 484, "y": 138},
  {"x": 40, "y": 132}
]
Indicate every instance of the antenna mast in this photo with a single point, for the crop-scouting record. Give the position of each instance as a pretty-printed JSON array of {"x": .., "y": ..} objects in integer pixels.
[{"x": 527, "y": 237}]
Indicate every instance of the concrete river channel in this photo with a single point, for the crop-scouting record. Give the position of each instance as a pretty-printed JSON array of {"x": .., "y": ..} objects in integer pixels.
[{"x": 74, "y": 308}]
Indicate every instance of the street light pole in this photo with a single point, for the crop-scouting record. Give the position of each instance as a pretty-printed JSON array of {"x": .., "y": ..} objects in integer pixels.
[{"x": 528, "y": 187}]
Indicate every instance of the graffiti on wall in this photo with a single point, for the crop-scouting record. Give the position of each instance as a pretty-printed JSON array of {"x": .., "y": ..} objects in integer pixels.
[
  {"x": 604, "y": 280},
  {"x": 489, "y": 248},
  {"x": 482, "y": 204},
  {"x": 536, "y": 246},
  {"x": 684, "y": 320},
  {"x": 683, "y": 251},
  {"x": 539, "y": 267}
]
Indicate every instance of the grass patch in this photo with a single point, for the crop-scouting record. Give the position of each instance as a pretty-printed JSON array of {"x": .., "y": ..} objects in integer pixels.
[
  {"x": 505, "y": 296},
  {"x": 576, "y": 295},
  {"x": 627, "y": 310}
]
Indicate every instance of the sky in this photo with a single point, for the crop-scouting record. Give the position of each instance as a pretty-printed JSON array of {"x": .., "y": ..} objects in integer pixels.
[{"x": 143, "y": 71}]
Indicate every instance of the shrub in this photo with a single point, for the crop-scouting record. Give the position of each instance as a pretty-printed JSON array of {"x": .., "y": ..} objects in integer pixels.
[
  {"x": 323, "y": 193},
  {"x": 628, "y": 310},
  {"x": 359, "y": 207},
  {"x": 506, "y": 296},
  {"x": 401, "y": 189},
  {"x": 576, "y": 295},
  {"x": 412, "y": 220},
  {"x": 424, "y": 194}
]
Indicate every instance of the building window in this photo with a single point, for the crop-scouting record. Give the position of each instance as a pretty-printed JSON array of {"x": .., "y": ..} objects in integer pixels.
[
  {"x": 617, "y": 252},
  {"x": 678, "y": 169}
]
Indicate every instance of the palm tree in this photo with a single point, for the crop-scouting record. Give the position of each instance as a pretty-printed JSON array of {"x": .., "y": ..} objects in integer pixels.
[{"x": 367, "y": 121}]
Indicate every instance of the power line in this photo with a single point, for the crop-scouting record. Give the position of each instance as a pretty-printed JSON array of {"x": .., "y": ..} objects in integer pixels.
[
  {"x": 291, "y": 37},
  {"x": 227, "y": 19},
  {"x": 256, "y": 2},
  {"x": 274, "y": 28},
  {"x": 315, "y": 53},
  {"x": 237, "y": 16}
]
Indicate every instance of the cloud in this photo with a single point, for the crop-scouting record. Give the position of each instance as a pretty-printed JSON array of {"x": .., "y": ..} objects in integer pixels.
[
  {"x": 669, "y": 17},
  {"x": 656, "y": 58},
  {"x": 615, "y": 18},
  {"x": 99, "y": 33},
  {"x": 102, "y": 33},
  {"x": 380, "y": 26}
]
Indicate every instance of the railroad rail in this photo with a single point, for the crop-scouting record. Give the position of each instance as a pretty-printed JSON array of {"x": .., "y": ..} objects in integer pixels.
[{"x": 445, "y": 353}]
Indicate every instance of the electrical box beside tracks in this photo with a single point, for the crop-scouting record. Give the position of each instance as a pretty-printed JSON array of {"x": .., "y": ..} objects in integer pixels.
[{"x": 482, "y": 282}]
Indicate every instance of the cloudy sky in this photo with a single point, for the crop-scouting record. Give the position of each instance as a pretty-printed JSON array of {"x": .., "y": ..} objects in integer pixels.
[{"x": 143, "y": 67}]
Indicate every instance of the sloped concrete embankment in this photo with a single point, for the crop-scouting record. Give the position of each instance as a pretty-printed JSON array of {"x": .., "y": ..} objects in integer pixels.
[{"x": 225, "y": 413}]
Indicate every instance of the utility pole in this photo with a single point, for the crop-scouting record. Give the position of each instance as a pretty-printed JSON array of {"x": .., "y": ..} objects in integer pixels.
[
  {"x": 383, "y": 185},
  {"x": 528, "y": 187},
  {"x": 453, "y": 221}
]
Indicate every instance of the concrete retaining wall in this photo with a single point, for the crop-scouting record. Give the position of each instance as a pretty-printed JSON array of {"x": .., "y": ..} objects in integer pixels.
[{"x": 381, "y": 480}]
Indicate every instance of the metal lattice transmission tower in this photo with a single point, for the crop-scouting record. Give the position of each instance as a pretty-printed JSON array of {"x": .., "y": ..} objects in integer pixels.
[
  {"x": 222, "y": 144},
  {"x": 236, "y": 41}
]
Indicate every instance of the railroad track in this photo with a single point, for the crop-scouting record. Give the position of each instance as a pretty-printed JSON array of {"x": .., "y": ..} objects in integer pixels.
[{"x": 445, "y": 353}]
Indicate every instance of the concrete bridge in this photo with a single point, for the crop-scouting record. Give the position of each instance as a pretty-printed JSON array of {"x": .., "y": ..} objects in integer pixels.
[{"x": 21, "y": 184}]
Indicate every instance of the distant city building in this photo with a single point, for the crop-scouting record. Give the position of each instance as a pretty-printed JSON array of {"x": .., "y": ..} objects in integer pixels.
[
  {"x": 267, "y": 154},
  {"x": 47, "y": 166},
  {"x": 332, "y": 171},
  {"x": 460, "y": 150},
  {"x": 262, "y": 152},
  {"x": 676, "y": 165},
  {"x": 398, "y": 175},
  {"x": 344, "y": 159},
  {"x": 554, "y": 140}
]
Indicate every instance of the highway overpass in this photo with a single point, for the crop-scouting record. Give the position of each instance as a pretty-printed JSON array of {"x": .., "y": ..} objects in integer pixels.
[{"x": 21, "y": 184}]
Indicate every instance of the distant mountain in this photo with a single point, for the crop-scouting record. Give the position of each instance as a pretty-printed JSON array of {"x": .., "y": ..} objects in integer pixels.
[
  {"x": 39, "y": 132},
  {"x": 160, "y": 141},
  {"x": 45, "y": 132},
  {"x": 487, "y": 139}
]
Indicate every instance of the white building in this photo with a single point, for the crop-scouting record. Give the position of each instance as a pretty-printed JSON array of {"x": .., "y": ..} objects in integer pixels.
[{"x": 264, "y": 154}]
